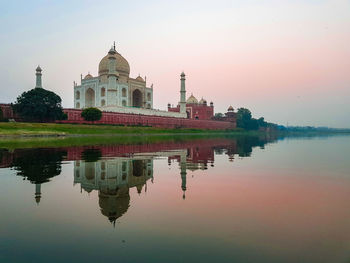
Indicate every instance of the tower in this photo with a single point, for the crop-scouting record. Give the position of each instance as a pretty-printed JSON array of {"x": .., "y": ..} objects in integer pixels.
[
  {"x": 183, "y": 94},
  {"x": 112, "y": 74},
  {"x": 38, "y": 77}
]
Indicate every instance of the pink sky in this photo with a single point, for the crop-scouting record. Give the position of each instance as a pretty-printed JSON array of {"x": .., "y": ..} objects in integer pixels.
[{"x": 288, "y": 61}]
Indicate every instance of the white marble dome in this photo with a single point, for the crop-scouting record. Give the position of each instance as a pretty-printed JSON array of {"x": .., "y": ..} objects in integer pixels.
[{"x": 122, "y": 65}]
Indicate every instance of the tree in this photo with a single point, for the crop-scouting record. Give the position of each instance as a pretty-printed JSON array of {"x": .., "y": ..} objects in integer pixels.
[
  {"x": 244, "y": 116},
  {"x": 218, "y": 115},
  {"x": 39, "y": 105},
  {"x": 91, "y": 114}
]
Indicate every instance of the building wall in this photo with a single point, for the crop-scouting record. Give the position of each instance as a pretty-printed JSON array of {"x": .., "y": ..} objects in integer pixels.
[
  {"x": 151, "y": 112},
  {"x": 74, "y": 116},
  {"x": 8, "y": 112},
  {"x": 196, "y": 111},
  {"x": 104, "y": 96}
]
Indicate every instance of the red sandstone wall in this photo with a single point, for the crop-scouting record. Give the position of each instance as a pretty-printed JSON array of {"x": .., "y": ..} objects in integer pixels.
[
  {"x": 7, "y": 111},
  {"x": 200, "y": 150},
  {"x": 74, "y": 116},
  {"x": 200, "y": 112}
]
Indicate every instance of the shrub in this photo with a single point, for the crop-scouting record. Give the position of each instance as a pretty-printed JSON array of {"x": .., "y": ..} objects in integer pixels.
[{"x": 91, "y": 114}]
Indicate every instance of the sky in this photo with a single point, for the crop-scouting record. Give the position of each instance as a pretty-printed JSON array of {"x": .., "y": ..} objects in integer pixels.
[{"x": 288, "y": 61}]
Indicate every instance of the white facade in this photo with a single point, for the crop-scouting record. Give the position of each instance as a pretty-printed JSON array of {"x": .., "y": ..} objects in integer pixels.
[
  {"x": 113, "y": 86},
  {"x": 114, "y": 91}
]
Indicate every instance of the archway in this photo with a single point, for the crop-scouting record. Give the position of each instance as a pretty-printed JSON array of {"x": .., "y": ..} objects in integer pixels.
[
  {"x": 77, "y": 95},
  {"x": 137, "y": 98},
  {"x": 90, "y": 98},
  {"x": 137, "y": 168}
]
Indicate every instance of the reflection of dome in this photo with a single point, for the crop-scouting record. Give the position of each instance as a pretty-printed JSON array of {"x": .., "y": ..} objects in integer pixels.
[
  {"x": 122, "y": 65},
  {"x": 192, "y": 100},
  {"x": 230, "y": 108},
  {"x": 88, "y": 76},
  {"x": 114, "y": 205},
  {"x": 139, "y": 78}
]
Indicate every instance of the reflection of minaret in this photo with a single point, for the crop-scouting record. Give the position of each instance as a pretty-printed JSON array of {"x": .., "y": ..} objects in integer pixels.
[
  {"x": 37, "y": 193},
  {"x": 183, "y": 174}
]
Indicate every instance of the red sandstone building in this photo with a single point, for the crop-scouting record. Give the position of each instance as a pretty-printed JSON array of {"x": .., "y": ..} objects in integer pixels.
[{"x": 196, "y": 110}]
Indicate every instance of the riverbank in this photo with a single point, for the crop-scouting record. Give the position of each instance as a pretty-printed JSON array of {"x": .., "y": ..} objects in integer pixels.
[
  {"x": 54, "y": 129},
  {"x": 28, "y": 135}
]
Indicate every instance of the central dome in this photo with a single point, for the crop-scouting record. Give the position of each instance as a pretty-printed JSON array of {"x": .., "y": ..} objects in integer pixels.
[{"x": 122, "y": 65}]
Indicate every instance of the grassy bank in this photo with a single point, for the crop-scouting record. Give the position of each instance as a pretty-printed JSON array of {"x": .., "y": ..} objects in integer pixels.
[
  {"x": 28, "y": 135},
  {"x": 52, "y": 129}
]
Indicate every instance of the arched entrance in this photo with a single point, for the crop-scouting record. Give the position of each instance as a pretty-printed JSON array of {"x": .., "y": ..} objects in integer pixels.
[
  {"x": 90, "y": 98},
  {"x": 137, "y": 98},
  {"x": 137, "y": 168}
]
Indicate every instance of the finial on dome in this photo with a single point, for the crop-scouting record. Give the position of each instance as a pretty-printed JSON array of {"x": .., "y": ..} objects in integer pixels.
[
  {"x": 112, "y": 50},
  {"x": 38, "y": 68}
]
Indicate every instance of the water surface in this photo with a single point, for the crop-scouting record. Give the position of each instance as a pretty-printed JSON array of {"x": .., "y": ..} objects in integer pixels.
[{"x": 246, "y": 199}]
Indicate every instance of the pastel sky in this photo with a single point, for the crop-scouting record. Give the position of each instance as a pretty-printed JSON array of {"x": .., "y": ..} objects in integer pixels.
[{"x": 288, "y": 61}]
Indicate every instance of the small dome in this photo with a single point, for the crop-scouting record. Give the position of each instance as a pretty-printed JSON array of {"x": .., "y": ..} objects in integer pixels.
[
  {"x": 122, "y": 65},
  {"x": 202, "y": 101},
  {"x": 38, "y": 68},
  {"x": 192, "y": 100},
  {"x": 139, "y": 78},
  {"x": 88, "y": 76},
  {"x": 230, "y": 108}
]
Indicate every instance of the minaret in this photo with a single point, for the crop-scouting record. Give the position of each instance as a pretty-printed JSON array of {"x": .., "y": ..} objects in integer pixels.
[
  {"x": 183, "y": 94},
  {"x": 37, "y": 193},
  {"x": 112, "y": 73},
  {"x": 38, "y": 77}
]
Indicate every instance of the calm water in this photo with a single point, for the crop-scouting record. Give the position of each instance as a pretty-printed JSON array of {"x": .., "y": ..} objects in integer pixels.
[{"x": 215, "y": 200}]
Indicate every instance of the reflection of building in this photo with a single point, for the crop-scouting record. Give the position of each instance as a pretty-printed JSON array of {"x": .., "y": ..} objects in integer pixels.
[
  {"x": 123, "y": 166},
  {"x": 113, "y": 178}
]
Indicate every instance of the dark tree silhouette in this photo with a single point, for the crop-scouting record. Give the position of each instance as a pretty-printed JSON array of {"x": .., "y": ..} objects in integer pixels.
[{"x": 39, "y": 105}]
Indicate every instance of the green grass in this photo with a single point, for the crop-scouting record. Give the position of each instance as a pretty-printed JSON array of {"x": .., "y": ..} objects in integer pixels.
[
  {"x": 11, "y": 143},
  {"x": 29, "y": 135},
  {"x": 40, "y": 129}
]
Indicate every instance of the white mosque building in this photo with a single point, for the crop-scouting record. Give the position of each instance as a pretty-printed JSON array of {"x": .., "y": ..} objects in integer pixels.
[{"x": 114, "y": 90}]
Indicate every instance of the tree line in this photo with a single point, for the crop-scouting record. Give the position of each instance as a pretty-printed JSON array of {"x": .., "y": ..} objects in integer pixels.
[{"x": 247, "y": 122}]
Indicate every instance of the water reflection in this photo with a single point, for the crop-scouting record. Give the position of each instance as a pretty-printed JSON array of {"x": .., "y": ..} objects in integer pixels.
[
  {"x": 112, "y": 178},
  {"x": 113, "y": 170},
  {"x": 205, "y": 201}
]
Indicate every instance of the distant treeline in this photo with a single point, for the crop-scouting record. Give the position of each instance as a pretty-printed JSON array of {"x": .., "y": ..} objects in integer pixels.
[
  {"x": 247, "y": 122},
  {"x": 311, "y": 129}
]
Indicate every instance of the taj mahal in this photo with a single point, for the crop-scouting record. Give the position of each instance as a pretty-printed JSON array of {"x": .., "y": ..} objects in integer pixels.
[
  {"x": 113, "y": 90},
  {"x": 127, "y": 101}
]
